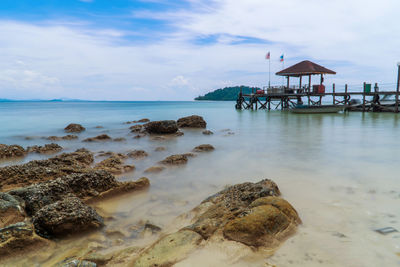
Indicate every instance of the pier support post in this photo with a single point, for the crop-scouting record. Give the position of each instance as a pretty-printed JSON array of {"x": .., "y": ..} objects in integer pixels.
[
  {"x": 398, "y": 87},
  {"x": 333, "y": 93},
  {"x": 363, "y": 103}
]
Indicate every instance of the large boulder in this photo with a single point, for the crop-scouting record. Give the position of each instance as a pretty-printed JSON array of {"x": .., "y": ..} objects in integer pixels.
[
  {"x": 193, "y": 121},
  {"x": 66, "y": 217},
  {"x": 74, "y": 128},
  {"x": 11, "y": 151},
  {"x": 42, "y": 170},
  {"x": 251, "y": 214},
  {"x": 11, "y": 209},
  {"x": 161, "y": 127},
  {"x": 82, "y": 185}
]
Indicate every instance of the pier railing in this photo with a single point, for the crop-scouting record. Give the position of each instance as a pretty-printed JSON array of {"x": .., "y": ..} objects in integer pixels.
[{"x": 365, "y": 97}]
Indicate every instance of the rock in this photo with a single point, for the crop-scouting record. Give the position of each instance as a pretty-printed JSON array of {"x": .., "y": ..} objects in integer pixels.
[
  {"x": 169, "y": 250},
  {"x": 99, "y": 127},
  {"x": 137, "y": 154},
  {"x": 46, "y": 149},
  {"x": 178, "y": 159},
  {"x": 122, "y": 188},
  {"x": 136, "y": 128},
  {"x": 153, "y": 228},
  {"x": 99, "y": 259},
  {"x": 193, "y": 121},
  {"x": 114, "y": 165},
  {"x": 72, "y": 262},
  {"x": 111, "y": 154},
  {"x": 143, "y": 120},
  {"x": 139, "y": 136},
  {"x": 18, "y": 237},
  {"x": 42, "y": 170},
  {"x": 11, "y": 151},
  {"x": 161, "y": 127},
  {"x": 11, "y": 210},
  {"x": 203, "y": 148},
  {"x": 74, "y": 128},
  {"x": 160, "y": 148},
  {"x": 251, "y": 214},
  {"x": 154, "y": 169},
  {"x": 65, "y": 137},
  {"x": 179, "y": 133},
  {"x": 66, "y": 217},
  {"x": 207, "y": 132},
  {"x": 102, "y": 137},
  {"x": 82, "y": 185},
  {"x": 119, "y": 139}
]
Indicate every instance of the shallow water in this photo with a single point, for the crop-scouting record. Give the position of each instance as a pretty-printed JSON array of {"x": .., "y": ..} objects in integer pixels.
[{"x": 339, "y": 171}]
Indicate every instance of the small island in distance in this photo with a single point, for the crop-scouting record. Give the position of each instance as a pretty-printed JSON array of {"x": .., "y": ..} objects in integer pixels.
[{"x": 227, "y": 93}]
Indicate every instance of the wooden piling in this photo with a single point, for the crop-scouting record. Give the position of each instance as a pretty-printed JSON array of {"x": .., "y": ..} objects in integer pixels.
[
  {"x": 363, "y": 93},
  {"x": 345, "y": 94},
  {"x": 398, "y": 88},
  {"x": 333, "y": 94}
]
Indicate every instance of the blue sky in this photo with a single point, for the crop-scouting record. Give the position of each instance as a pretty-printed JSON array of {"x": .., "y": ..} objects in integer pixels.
[{"x": 176, "y": 50}]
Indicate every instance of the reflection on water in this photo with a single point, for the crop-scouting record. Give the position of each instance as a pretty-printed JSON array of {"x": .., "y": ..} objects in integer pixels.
[{"x": 339, "y": 171}]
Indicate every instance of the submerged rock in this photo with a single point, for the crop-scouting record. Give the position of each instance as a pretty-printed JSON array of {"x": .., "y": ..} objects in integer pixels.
[
  {"x": 207, "y": 132},
  {"x": 193, "y": 121},
  {"x": 102, "y": 137},
  {"x": 137, "y": 154},
  {"x": 65, "y": 137},
  {"x": 119, "y": 139},
  {"x": 42, "y": 170},
  {"x": 160, "y": 148},
  {"x": 11, "y": 151},
  {"x": 74, "y": 128},
  {"x": 161, "y": 127},
  {"x": 11, "y": 210},
  {"x": 65, "y": 217},
  {"x": 46, "y": 149},
  {"x": 154, "y": 169},
  {"x": 203, "y": 148},
  {"x": 178, "y": 159}
]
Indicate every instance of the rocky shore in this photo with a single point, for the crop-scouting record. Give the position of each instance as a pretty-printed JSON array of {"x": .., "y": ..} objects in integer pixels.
[{"x": 45, "y": 201}]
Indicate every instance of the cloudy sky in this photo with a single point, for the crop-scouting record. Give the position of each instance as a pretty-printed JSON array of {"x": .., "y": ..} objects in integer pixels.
[{"x": 176, "y": 50}]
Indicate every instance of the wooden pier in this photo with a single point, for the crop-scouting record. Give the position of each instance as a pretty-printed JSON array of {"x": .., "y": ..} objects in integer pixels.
[{"x": 285, "y": 97}]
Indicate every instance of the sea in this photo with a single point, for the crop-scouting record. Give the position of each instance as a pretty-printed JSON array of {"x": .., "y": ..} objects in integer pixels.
[{"x": 339, "y": 171}]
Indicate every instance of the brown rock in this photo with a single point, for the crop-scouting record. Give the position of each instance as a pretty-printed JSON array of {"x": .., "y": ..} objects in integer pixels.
[
  {"x": 203, "y": 148},
  {"x": 136, "y": 128},
  {"x": 119, "y": 139},
  {"x": 46, "y": 149},
  {"x": 178, "y": 159},
  {"x": 74, "y": 128},
  {"x": 161, "y": 127},
  {"x": 102, "y": 137},
  {"x": 59, "y": 138},
  {"x": 11, "y": 151},
  {"x": 114, "y": 165},
  {"x": 207, "y": 132},
  {"x": 11, "y": 210},
  {"x": 193, "y": 121},
  {"x": 64, "y": 217},
  {"x": 160, "y": 148},
  {"x": 42, "y": 170},
  {"x": 137, "y": 154}
]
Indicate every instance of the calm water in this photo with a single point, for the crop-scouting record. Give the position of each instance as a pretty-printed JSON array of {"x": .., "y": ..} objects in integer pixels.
[{"x": 339, "y": 171}]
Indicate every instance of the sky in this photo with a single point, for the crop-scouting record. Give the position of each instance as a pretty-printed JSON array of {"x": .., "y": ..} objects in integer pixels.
[{"x": 179, "y": 49}]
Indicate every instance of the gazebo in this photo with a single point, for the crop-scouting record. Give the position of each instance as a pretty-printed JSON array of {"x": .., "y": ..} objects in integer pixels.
[{"x": 305, "y": 68}]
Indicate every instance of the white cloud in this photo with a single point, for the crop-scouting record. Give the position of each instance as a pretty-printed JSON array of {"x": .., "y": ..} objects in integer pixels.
[{"x": 358, "y": 39}]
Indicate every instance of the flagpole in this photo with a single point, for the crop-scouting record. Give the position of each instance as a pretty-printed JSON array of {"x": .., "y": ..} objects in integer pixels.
[{"x": 269, "y": 72}]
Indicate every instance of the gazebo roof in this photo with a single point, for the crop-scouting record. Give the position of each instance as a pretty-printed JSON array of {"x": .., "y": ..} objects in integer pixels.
[{"x": 304, "y": 68}]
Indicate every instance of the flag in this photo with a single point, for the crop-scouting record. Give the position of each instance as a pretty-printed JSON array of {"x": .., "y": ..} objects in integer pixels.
[
  {"x": 281, "y": 58},
  {"x": 268, "y": 56}
]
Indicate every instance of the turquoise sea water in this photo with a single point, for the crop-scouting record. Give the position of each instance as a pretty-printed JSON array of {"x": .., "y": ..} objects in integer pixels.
[{"x": 340, "y": 171}]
